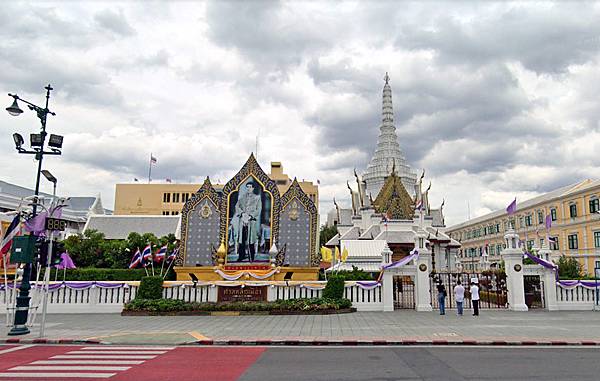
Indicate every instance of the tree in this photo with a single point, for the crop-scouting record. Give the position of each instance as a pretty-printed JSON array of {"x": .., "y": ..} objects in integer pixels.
[
  {"x": 327, "y": 233},
  {"x": 85, "y": 249},
  {"x": 569, "y": 268}
]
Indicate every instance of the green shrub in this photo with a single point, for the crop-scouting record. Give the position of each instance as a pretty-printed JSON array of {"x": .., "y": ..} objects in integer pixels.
[
  {"x": 569, "y": 268},
  {"x": 150, "y": 288},
  {"x": 355, "y": 274},
  {"x": 334, "y": 288},
  {"x": 172, "y": 305},
  {"x": 97, "y": 274}
]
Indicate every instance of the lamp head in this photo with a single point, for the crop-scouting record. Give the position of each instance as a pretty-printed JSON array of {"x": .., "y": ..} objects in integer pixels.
[
  {"x": 18, "y": 140},
  {"x": 35, "y": 140},
  {"x": 14, "y": 109},
  {"x": 49, "y": 176},
  {"x": 55, "y": 141}
]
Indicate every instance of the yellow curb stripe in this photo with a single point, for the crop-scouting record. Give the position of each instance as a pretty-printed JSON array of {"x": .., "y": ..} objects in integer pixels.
[{"x": 198, "y": 335}]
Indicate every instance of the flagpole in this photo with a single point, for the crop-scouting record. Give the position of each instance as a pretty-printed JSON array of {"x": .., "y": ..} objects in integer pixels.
[
  {"x": 150, "y": 169},
  {"x": 162, "y": 265},
  {"x": 169, "y": 268}
]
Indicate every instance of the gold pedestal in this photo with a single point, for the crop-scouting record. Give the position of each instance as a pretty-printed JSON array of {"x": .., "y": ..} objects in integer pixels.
[{"x": 207, "y": 274}]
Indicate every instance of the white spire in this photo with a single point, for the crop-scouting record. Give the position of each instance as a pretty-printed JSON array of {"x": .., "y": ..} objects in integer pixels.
[{"x": 388, "y": 151}]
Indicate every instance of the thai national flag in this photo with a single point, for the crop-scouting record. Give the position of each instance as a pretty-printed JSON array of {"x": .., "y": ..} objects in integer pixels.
[
  {"x": 419, "y": 205},
  {"x": 11, "y": 232},
  {"x": 147, "y": 255},
  {"x": 159, "y": 256},
  {"x": 136, "y": 260},
  {"x": 173, "y": 255}
]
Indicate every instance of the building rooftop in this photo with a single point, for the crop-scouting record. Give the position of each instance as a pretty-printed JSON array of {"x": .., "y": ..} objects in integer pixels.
[
  {"x": 119, "y": 227},
  {"x": 552, "y": 195}
]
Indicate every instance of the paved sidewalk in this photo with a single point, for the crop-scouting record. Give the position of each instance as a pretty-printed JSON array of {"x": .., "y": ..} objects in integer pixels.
[{"x": 391, "y": 327}]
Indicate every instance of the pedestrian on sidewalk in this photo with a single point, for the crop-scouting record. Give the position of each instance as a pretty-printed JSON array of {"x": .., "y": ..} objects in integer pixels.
[
  {"x": 459, "y": 296},
  {"x": 442, "y": 298},
  {"x": 475, "y": 296}
]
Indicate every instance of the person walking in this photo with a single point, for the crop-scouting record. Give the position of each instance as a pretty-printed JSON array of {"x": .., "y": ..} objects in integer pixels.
[
  {"x": 475, "y": 297},
  {"x": 442, "y": 298},
  {"x": 459, "y": 296}
]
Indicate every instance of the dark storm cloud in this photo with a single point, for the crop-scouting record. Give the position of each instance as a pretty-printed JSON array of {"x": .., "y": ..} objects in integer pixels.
[
  {"x": 546, "y": 38},
  {"x": 115, "y": 22}
]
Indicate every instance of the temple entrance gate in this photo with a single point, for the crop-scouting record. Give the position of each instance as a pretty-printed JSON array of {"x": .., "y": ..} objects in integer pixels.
[
  {"x": 492, "y": 289},
  {"x": 404, "y": 292}
]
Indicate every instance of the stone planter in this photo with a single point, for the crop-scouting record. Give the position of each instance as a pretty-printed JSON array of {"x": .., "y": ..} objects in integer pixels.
[{"x": 236, "y": 313}]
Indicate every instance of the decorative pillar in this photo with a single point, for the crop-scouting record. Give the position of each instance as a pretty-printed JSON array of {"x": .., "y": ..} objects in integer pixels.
[
  {"x": 388, "y": 280},
  {"x": 549, "y": 279},
  {"x": 513, "y": 263},
  {"x": 423, "y": 262}
]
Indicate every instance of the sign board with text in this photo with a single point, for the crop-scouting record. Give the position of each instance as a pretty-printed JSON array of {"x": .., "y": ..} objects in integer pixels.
[{"x": 242, "y": 294}]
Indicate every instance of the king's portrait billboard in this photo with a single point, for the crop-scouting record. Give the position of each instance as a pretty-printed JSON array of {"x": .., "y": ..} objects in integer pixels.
[{"x": 249, "y": 223}]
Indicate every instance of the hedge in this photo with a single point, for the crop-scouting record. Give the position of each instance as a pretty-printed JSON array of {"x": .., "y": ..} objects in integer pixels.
[
  {"x": 173, "y": 305},
  {"x": 150, "y": 288},
  {"x": 99, "y": 274},
  {"x": 334, "y": 288}
]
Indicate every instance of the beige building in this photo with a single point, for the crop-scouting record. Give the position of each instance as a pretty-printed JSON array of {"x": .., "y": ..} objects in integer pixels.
[
  {"x": 168, "y": 199},
  {"x": 575, "y": 231}
]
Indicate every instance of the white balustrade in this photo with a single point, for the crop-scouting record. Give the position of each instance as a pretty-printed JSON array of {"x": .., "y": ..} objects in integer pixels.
[
  {"x": 111, "y": 300},
  {"x": 576, "y": 298}
]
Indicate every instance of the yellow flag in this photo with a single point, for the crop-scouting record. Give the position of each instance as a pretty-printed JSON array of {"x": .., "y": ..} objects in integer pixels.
[
  {"x": 325, "y": 254},
  {"x": 337, "y": 254},
  {"x": 344, "y": 255}
]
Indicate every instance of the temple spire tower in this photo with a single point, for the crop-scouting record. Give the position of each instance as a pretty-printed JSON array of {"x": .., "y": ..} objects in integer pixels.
[{"x": 388, "y": 154}]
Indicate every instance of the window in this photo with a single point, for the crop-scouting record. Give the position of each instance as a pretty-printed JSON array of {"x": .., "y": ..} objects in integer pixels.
[
  {"x": 186, "y": 197},
  {"x": 492, "y": 250},
  {"x": 498, "y": 248},
  {"x": 540, "y": 217},
  {"x": 553, "y": 214},
  {"x": 528, "y": 220},
  {"x": 175, "y": 197},
  {"x": 166, "y": 197},
  {"x": 596, "y": 239},
  {"x": 597, "y": 265},
  {"x": 553, "y": 243},
  {"x": 497, "y": 228},
  {"x": 594, "y": 205},
  {"x": 521, "y": 222},
  {"x": 530, "y": 244},
  {"x": 573, "y": 241},
  {"x": 541, "y": 242},
  {"x": 485, "y": 230},
  {"x": 165, "y": 212},
  {"x": 573, "y": 210}
]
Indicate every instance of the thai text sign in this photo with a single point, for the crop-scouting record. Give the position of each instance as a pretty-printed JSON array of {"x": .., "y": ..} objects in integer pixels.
[{"x": 242, "y": 294}]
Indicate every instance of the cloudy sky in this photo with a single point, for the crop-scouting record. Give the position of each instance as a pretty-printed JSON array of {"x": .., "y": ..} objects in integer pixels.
[{"x": 494, "y": 100}]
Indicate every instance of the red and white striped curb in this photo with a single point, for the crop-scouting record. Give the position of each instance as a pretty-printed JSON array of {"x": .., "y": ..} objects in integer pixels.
[
  {"x": 14, "y": 340},
  {"x": 300, "y": 342}
]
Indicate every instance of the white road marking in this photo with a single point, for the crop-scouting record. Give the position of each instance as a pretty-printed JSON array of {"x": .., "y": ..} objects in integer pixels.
[
  {"x": 69, "y": 367},
  {"x": 98, "y": 357},
  {"x": 88, "y": 362},
  {"x": 113, "y": 348},
  {"x": 16, "y": 348},
  {"x": 115, "y": 352},
  {"x": 56, "y": 375}
]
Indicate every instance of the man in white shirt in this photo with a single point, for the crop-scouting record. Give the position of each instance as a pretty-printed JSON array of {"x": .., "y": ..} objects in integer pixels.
[
  {"x": 459, "y": 296},
  {"x": 475, "y": 298}
]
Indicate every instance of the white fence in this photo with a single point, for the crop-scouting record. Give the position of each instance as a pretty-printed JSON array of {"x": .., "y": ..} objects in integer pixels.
[
  {"x": 577, "y": 298},
  {"x": 111, "y": 300}
]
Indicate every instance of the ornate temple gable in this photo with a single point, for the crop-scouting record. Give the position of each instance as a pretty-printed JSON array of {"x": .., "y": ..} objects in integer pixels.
[
  {"x": 252, "y": 168},
  {"x": 295, "y": 205},
  {"x": 394, "y": 200},
  {"x": 207, "y": 204}
]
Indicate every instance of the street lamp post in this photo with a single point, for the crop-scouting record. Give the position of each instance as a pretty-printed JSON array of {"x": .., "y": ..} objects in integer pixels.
[{"x": 37, "y": 143}]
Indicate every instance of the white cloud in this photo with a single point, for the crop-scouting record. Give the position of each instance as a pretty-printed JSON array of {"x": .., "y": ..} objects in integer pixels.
[{"x": 495, "y": 100}]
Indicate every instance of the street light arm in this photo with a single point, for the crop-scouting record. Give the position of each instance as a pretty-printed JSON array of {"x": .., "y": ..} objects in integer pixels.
[{"x": 33, "y": 106}]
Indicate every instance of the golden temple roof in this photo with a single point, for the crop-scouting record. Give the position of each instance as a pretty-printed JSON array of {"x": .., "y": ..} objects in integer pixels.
[{"x": 394, "y": 200}]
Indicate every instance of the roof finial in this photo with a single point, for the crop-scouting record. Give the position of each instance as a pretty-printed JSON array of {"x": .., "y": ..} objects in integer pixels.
[{"x": 386, "y": 78}]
